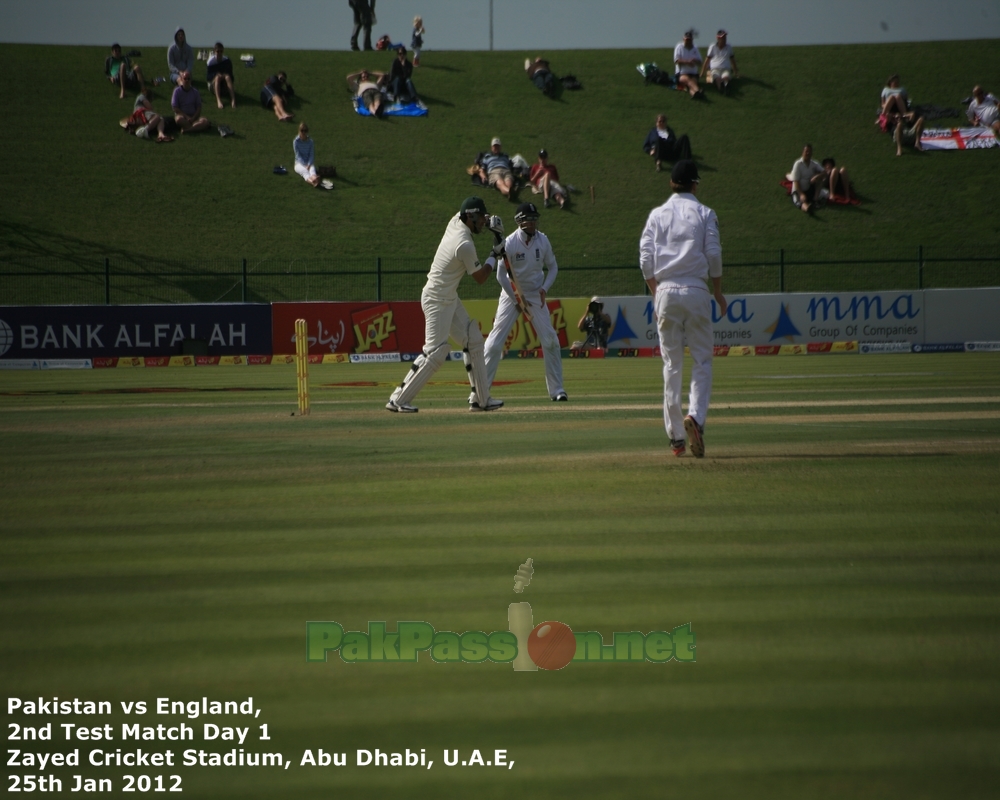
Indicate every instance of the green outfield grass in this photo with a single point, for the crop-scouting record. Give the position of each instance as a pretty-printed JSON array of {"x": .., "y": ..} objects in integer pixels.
[
  {"x": 79, "y": 190},
  {"x": 168, "y": 533}
]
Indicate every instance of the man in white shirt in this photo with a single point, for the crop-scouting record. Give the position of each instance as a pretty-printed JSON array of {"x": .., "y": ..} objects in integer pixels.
[
  {"x": 679, "y": 249},
  {"x": 534, "y": 266},
  {"x": 444, "y": 313},
  {"x": 720, "y": 63},
  {"x": 687, "y": 63},
  {"x": 983, "y": 110},
  {"x": 807, "y": 178}
]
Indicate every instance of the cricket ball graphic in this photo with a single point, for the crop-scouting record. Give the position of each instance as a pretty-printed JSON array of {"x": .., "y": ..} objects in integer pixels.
[{"x": 551, "y": 645}]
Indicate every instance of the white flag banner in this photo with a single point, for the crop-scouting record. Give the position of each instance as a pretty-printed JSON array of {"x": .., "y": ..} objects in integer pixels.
[{"x": 957, "y": 138}]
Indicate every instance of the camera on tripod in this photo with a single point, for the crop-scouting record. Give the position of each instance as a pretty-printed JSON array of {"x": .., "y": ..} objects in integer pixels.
[{"x": 596, "y": 324}]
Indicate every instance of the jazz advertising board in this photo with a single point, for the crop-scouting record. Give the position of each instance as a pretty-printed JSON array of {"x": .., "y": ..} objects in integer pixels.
[
  {"x": 65, "y": 332},
  {"x": 396, "y": 327}
]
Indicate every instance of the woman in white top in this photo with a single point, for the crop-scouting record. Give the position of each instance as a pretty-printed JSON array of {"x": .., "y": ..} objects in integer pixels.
[{"x": 305, "y": 158}]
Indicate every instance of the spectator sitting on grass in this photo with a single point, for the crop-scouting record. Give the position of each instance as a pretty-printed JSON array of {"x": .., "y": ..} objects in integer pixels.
[
  {"x": 838, "y": 184},
  {"x": 122, "y": 73},
  {"x": 983, "y": 110},
  {"x": 367, "y": 87},
  {"x": 720, "y": 63},
  {"x": 908, "y": 130},
  {"x": 663, "y": 144},
  {"x": 305, "y": 158},
  {"x": 687, "y": 63},
  {"x": 180, "y": 56},
  {"x": 220, "y": 72},
  {"x": 496, "y": 169},
  {"x": 807, "y": 181},
  {"x": 400, "y": 82},
  {"x": 544, "y": 178},
  {"x": 894, "y": 102},
  {"x": 144, "y": 122},
  {"x": 541, "y": 75},
  {"x": 186, "y": 102},
  {"x": 276, "y": 90}
]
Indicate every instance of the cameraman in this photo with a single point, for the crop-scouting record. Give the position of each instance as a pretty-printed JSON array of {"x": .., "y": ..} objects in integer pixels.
[{"x": 596, "y": 324}]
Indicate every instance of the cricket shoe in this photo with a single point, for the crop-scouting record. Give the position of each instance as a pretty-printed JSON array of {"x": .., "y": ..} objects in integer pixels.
[
  {"x": 491, "y": 405},
  {"x": 560, "y": 397},
  {"x": 695, "y": 433},
  {"x": 677, "y": 447},
  {"x": 400, "y": 408}
]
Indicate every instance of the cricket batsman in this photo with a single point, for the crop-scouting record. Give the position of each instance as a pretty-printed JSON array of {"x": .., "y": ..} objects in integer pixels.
[
  {"x": 444, "y": 313},
  {"x": 533, "y": 270},
  {"x": 678, "y": 250}
]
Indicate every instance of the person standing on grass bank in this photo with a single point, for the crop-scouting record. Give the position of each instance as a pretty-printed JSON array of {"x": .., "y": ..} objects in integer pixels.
[
  {"x": 180, "y": 57},
  {"x": 186, "y": 102},
  {"x": 305, "y": 159},
  {"x": 364, "y": 17},
  {"x": 417, "y": 42},
  {"x": 444, "y": 313},
  {"x": 679, "y": 249}
]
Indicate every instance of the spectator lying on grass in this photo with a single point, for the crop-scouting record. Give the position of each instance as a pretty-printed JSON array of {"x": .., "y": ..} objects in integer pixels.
[
  {"x": 367, "y": 87},
  {"x": 144, "y": 122},
  {"x": 276, "y": 91},
  {"x": 496, "y": 169},
  {"x": 540, "y": 74}
]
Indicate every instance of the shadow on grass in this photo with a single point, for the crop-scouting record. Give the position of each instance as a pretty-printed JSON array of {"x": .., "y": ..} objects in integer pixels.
[
  {"x": 736, "y": 86},
  {"x": 440, "y": 67},
  {"x": 433, "y": 101},
  {"x": 136, "y": 276}
]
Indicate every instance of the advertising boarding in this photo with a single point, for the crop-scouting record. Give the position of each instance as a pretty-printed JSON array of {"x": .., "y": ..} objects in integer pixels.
[
  {"x": 75, "y": 332},
  {"x": 780, "y": 319}
]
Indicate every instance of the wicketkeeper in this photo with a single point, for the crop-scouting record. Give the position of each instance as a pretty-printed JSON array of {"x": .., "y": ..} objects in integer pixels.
[{"x": 444, "y": 313}]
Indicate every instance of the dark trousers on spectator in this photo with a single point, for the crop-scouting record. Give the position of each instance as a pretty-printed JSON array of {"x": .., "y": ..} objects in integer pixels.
[{"x": 674, "y": 150}]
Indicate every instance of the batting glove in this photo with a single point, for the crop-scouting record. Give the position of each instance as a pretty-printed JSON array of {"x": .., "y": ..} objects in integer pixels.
[{"x": 496, "y": 225}]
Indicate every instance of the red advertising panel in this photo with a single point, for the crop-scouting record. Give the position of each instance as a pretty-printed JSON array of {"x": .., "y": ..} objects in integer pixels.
[{"x": 349, "y": 327}]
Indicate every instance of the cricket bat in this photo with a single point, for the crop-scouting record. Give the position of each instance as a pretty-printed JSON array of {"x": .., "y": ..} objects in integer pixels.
[{"x": 518, "y": 296}]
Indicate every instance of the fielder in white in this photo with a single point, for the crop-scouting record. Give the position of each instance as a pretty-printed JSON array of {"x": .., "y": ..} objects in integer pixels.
[
  {"x": 444, "y": 313},
  {"x": 678, "y": 250},
  {"x": 535, "y": 269}
]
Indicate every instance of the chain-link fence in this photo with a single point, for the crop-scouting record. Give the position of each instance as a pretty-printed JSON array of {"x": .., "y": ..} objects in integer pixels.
[{"x": 119, "y": 280}]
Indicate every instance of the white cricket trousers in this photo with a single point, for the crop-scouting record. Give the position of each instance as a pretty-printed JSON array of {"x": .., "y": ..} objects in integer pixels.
[
  {"x": 684, "y": 316},
  {"x": 507, "y": 314}
]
